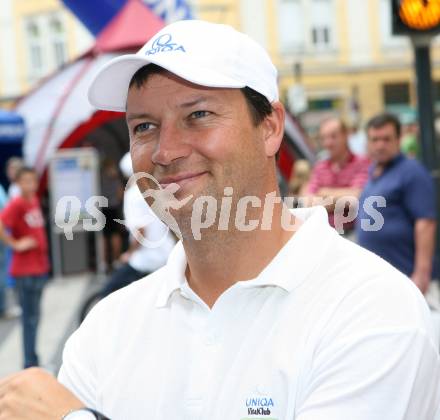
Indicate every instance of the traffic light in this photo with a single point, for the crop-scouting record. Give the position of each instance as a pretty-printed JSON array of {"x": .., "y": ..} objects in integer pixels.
[{"x": 412, "y": 17}]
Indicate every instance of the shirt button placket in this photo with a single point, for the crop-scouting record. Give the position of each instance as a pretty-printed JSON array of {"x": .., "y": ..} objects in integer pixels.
[{"x": 200, "y": 375}]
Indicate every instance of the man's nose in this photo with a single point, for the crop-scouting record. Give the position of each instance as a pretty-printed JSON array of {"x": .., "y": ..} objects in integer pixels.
[{"x": 172, "y": 145}]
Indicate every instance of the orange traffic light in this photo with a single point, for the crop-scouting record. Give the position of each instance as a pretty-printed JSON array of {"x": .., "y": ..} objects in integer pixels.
[
  {"x": 420, "y": 14},
  {"x": 412, "y": 17}
]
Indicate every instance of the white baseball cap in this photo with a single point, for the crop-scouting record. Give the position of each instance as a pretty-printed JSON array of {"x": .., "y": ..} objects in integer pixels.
[{"x": 203, "y": 53}]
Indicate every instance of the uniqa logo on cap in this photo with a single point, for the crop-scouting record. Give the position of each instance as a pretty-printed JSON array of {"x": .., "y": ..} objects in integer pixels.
[{"x": 164, "y": 43}]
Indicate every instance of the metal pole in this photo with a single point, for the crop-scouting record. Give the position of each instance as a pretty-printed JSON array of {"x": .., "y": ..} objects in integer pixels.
[
  {"x": 57, "y": 268},
  {"x": 426, "y": 117},
  {"x": 425, "y": 106}
]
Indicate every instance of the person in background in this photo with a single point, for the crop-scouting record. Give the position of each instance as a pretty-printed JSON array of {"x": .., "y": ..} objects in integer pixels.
[
  {"x": 26, "y": 236},
  {"x": 150, "y": 239},
  {"x": 342, "y": 174},
  {"x": 13, "y": 165},
  {"x": 11, "y": 308},
  {"x": 409, "y": 143},
  {"x": 357, "y": 140},
  {"x": 300, "y": 176},
  {"x": 113, "y": 189},
  {"x": 3, "y": 263},
  {"x": 407, "y": 237}
]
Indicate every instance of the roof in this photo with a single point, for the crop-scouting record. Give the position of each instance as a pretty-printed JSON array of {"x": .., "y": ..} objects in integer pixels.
[{"x": 130, "y": 29}]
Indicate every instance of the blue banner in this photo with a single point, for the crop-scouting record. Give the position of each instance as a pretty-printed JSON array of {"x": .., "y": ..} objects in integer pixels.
[
  {"x": 12, "y": 133},
  {"x": 95, "y": 15},
  {"x": 12, "y": 128}
]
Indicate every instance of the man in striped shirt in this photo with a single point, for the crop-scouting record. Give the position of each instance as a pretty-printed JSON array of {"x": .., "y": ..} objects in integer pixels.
[{"x": 339, "y": 179}]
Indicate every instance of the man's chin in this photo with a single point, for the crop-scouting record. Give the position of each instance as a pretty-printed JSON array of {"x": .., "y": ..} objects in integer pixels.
[
  {"x": 381, "y": 160},
  {"x": 193, "y": 200}
]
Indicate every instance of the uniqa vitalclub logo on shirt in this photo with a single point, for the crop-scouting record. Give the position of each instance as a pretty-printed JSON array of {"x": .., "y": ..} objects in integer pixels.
[
  {"x": 259, "y": 406},
  {"x": 164, "y": 43}
]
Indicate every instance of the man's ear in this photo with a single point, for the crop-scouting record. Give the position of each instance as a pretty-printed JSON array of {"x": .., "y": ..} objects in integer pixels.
[{"x": 273, "y": 129}]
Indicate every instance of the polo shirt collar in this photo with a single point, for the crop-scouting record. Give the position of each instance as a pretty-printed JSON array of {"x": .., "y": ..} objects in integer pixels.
[
  {"x": 289, "y": 268},
  {"x": 394, "y": 161},
  {"x": 301, "y": 254},
  {"x": 174, "y": 277}
]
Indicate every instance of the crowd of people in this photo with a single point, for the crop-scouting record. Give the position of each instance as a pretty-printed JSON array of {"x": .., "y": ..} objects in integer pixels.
[{"x": 389, "y": 173}]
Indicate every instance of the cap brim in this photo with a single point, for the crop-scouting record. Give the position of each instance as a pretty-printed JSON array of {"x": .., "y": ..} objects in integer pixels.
[{"x": 109, "y": 88}]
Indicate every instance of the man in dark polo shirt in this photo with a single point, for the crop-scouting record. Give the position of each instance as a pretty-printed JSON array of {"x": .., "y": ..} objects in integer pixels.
[{"x": 406, "y": 238}]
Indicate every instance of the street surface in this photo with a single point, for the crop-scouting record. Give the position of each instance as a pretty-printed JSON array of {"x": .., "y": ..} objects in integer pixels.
[{"x": 62, "y": 298}]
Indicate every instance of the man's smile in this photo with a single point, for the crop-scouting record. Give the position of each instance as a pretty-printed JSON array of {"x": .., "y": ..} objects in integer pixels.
[{"x": 181, "y": 179}]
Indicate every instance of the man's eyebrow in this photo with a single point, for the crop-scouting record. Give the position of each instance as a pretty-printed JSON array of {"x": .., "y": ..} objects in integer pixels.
[
  {"x": 136, "y": 116},
  {"x": 197, "y": 101},
  {"x": 192, "y": 102}
]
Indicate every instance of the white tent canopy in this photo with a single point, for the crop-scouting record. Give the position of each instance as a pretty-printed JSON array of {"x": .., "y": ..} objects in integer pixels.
[{"x": 58, "y": 106}]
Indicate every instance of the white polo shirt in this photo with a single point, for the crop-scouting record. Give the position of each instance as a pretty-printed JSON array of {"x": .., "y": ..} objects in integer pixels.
[{"x": 327, "y": 331}]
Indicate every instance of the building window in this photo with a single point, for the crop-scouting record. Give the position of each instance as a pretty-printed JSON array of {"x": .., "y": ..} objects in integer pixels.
[
  {"x": 396, "y": 94},
  {"x": 320, "y": 36},
  {"x": 324, "y": 104},
  {"x": 35, "y": 49},
  {"x": 58, "y": 42},
  {"x": 45, "y": 37},
  {"x": 291, "y": 25},
  {"x": 322, "y": 21}
]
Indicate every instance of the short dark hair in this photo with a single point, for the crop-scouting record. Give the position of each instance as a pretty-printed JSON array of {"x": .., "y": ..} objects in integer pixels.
[
  {"x": 259, "y": 106},
  {"x": 25, "y": 170},
  {"x": 378, "y": 121}
]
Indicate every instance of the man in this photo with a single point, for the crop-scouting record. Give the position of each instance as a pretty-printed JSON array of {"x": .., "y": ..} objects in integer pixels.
[
  {"x": 29, "y": 266},
  {"x": 339, "y": 177},
  {"x": 406, "y": 239},
  {"x": 257, "y": 317}
]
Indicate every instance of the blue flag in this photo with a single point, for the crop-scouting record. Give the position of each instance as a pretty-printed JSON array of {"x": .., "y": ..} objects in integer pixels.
[{"x": 170, "y": 10}]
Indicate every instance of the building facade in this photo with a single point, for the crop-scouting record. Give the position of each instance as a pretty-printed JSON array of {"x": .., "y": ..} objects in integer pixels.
[
  {"x": 333, "y": 56},
  {"x": 36, "y": 38}
]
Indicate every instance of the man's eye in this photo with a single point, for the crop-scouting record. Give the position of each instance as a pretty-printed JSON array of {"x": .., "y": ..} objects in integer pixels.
[
  {"x": 199, "y": 114},
  {"x": 140, "y": 128}
]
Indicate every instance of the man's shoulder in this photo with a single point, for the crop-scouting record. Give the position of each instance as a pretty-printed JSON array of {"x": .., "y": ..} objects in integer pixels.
[
  {"x": 125, "y": 316},
  {"x": 367, "y": 283},
  {"x": 138, "y": 297},
  {"x": 366, "y": 265},
  {"x": 14, "y": 207},
  {"x": 16, "y": 201},
  {"x": 412, "y": 166},
  {"x": 413, "y": 173}
]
